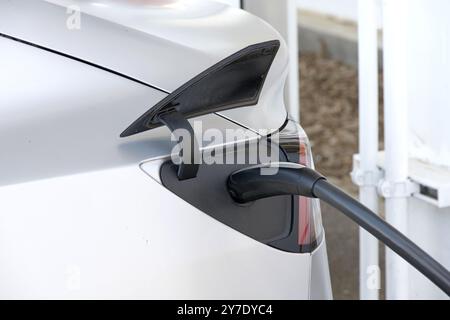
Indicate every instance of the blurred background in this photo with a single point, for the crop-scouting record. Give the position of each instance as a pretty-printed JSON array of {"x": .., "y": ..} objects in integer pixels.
[
  {"x": 326, "y": 36},
  {"x": 328, "y": 68},
  {"x": 369, "y": 84}
]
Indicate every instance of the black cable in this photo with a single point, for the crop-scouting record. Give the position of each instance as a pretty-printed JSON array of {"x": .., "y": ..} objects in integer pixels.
[
  {"x": 383, "y": 231},
  {"x": 249, "y": 185}
]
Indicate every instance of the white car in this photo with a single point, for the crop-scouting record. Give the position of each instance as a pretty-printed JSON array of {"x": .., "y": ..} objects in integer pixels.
[{"x": 92, "y": 205}]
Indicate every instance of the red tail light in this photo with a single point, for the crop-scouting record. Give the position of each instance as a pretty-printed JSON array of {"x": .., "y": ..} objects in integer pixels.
[{"x": 295, "y": 144}]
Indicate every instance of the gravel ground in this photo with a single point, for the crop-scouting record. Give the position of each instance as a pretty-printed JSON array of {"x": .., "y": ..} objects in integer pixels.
[{"x": 329, "y": 115}]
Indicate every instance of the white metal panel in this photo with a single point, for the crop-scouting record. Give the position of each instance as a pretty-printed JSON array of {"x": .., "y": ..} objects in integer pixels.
[
  {"x": 119, "y": 234},
  {"x": 162, "y": 45},
  {"x": 426, "y": 75},
  {"x": 429, "y": 227},
  {"x": 435, "y": 179},
  {"x": 89, "y": 223},
  {"x": 428, "y": 223},
  {"x": 428, "y": 62},
  {"x": 59, "y": 116},
  {"x": 320, "y": 274}
]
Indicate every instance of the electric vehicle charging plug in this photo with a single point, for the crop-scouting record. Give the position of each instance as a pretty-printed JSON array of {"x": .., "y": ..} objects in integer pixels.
[{"x": 293, "y": 179}]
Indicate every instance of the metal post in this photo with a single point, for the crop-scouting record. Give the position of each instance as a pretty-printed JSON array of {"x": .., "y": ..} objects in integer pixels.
[
  {"x": 369, "y": 271},
  {"x": 395, "y": 186}
]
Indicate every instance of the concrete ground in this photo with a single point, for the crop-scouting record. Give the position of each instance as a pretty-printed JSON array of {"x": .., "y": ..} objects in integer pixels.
[{"x": 343, "y": 254}]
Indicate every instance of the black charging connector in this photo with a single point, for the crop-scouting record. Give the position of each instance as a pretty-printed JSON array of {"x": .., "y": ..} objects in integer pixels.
[{"x": 250, "y": 185}]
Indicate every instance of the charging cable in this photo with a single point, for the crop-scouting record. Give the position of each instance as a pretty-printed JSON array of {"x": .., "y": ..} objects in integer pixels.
[{"x": 249, "y": 185}]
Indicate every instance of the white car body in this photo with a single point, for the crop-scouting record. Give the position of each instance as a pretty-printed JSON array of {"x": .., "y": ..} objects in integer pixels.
[{"x": 82, "y": 213}]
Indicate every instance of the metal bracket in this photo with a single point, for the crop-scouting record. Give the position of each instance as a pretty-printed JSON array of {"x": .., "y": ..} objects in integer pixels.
[
  {"x": 363, "y": 178},
  {"x": 366, "y": 178},
  {"x": 427, "y": 182},
  {"x": 402, "y": 189}
]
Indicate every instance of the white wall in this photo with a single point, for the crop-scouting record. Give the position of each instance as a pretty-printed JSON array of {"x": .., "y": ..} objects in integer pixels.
[
  {"x": 417, "y": 68},
  {"x": 429, "y": 80}
]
